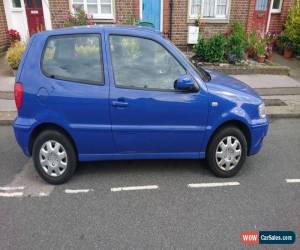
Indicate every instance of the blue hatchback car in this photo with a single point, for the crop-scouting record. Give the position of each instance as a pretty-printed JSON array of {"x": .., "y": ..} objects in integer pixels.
[{"x": 117, "y": 92}]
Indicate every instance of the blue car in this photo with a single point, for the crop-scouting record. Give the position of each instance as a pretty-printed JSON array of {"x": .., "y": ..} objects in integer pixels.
[{"x": 119, "y": 92}]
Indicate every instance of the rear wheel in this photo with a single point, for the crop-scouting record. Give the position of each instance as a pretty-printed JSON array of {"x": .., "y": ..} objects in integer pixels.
[
  {"x": 227, "y": 152},
  {"x": 54, "y": 157}
]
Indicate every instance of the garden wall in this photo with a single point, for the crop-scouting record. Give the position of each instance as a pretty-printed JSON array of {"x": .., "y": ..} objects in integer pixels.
[{"x": 3, "y": 29}]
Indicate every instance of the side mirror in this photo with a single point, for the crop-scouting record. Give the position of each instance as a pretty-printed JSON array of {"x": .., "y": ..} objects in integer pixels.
[{"x": 185, "y": 83}]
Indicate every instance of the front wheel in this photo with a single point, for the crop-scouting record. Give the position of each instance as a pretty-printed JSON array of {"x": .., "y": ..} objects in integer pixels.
[
  {"x": 54, "y": 157},
  {"x": 227, "y": 152}
]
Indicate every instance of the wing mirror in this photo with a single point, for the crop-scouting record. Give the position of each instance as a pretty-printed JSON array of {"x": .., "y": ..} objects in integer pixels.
[{"x": 185, "y": 83}]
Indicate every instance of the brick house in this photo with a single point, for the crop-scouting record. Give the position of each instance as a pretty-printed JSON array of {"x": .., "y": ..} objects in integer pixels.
[{"x": 172, "y": 17}]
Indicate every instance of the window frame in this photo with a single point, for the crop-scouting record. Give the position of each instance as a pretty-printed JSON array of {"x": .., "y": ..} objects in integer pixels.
[
  {"x": 215, "y": 17},
  {"x": 148, "y": 89},
  {"x": 277, "y": 10},
  {"x": 16, "y": 8},
  {"x": 261, "y": 10},
  {"x": 99, "y": 15},
  {"x": 69, "y": 80}
]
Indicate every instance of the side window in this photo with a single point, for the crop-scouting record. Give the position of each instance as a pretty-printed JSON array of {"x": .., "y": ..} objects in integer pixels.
[
  {"x": 143, "y": 63},
  {"x": 74, "y": 58}
]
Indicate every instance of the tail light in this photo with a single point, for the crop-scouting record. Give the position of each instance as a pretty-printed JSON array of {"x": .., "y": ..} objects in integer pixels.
[{"x": 19, "y": 94}]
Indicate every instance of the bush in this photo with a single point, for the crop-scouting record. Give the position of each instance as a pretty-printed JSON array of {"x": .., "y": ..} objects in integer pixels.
[
  {"x": 292, "y": 26},
  {"x": 79, "y": 18},
  {"x": 236, "y": 43},
  {"x": 14, "y": 54},
  {"x": 211, "y": 50}
]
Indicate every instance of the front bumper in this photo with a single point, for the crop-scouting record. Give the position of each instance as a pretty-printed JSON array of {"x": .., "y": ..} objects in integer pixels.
[{"x": 258, "y": 133}]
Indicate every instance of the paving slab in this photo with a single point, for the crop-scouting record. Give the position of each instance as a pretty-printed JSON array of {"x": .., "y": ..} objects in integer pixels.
[
  {"x": 268, "y": 81},
  {"x": 7, "y": 105}
]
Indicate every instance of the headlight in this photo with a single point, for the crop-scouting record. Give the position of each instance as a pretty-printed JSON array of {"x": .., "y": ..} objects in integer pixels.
[{"x": 262, "y": 110}]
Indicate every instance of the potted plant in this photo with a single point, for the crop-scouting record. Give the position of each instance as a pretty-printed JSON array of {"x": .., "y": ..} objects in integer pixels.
[
  {"x": 287, "y": 46},
  {"x": 269, "y": 52},
  {"x": 292, "y": 30},
  {"x": 271, "y": 38},
  {"x": 260, "y": 50},
  {"x": 251, "y": 41}
]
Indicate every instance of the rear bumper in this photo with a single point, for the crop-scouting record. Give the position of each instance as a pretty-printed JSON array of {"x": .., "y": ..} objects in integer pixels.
[
  {"x": 258, "y": 133},
  {"x": 22, "y": 129}
]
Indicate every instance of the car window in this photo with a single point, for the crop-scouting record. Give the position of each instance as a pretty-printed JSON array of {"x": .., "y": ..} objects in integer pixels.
[
  {"x": 143, "y": 63},
  {"x": 74, "y": 58}
]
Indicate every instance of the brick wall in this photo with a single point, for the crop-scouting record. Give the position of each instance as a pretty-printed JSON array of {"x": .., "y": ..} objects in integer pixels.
[
  {"x": 125, "y": 9},
  {"x": 58, "y": 9},
  {"x": 278, "y": 19},
  {"x": 3, "y": 28},
  {"x": 238, "y": 12}
]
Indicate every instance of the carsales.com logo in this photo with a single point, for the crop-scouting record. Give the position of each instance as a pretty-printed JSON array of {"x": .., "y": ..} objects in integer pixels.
[{"x": 253, "y": 237}]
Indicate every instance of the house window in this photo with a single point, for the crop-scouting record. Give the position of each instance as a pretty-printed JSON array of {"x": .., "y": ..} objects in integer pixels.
[
  {"x": 102, "y": 9},
  {"x": 16, "y": 4},
  {"x": 261, "y": 5},
  {"x": 276, "y": 8},
  {"x": 208, "y": 9}
]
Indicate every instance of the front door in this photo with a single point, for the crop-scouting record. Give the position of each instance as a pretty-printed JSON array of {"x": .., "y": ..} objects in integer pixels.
[
  {"x": 147, "y": 114},
  {"x": 151, "y": 12},
  {"x": 35, "y": 16}
]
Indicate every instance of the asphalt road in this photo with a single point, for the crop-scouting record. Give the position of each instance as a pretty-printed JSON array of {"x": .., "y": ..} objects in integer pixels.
[{"x": 172, "y": 216}]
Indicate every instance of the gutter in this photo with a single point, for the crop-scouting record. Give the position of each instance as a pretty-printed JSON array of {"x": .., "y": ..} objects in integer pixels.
[{"x": 171, "y": 19}]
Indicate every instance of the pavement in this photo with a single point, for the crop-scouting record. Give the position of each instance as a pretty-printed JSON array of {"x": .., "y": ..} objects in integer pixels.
[
  {"x": 88, "y": 212},
  {"x": 292, "y": 63}
]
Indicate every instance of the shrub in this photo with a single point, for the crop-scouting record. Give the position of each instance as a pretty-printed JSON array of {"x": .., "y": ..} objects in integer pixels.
[
  {"x": 211, "y": 50},
  {"x": 79, "y": 18},
  {"x": 13, "y": 36},
  {"x": 236, "y": 42},
  {"x": 14, "y": 54},
  {"x": 292, "y": 26}
]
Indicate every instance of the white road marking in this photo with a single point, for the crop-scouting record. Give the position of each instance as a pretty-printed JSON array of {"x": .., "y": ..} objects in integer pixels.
[
  {"x": 118, "y": 189},
  {"x": 33, "y": 185},
  {"x": 11, "y": 188},
  {"x": 76, "y": 191},
  {"x": 216, "y": 184},
  {"x": 292, "y": 180},
  {"x": 14, "y": 194}
]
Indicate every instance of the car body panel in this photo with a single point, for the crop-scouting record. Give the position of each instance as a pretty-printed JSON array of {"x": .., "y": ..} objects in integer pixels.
[{"x": 175, "y": 117}]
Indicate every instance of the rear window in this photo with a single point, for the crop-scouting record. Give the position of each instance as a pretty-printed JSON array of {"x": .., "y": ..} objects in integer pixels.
[{"x": 75, "y": 58}]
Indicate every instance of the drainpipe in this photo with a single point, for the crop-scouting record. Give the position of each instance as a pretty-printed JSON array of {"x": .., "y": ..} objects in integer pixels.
[
  {"x": 269, "y": 16},
  {"x": 171, "y": 18}
]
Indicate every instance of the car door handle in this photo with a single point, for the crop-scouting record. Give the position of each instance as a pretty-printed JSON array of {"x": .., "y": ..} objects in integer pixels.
[{"x": 119, "y": 103}]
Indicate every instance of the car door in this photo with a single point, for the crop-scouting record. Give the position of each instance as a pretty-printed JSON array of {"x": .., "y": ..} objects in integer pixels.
[
  {"x": 77, "y": 82},
  {"x": 147, "y": 114}
]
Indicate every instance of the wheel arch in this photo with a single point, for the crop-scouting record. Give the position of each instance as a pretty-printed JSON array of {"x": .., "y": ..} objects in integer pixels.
[
  {"x": 49, "y": 126},
  {"x": 233, "y": 123}
]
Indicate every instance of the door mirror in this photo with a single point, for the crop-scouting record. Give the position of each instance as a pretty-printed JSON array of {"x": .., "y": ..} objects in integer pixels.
[{"x": 185, "y": 83}]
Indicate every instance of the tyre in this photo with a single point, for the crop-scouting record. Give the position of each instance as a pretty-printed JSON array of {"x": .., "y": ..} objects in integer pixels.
[
  {"x": 54, "y": 157},
  {"x": 227, "y": 152}
]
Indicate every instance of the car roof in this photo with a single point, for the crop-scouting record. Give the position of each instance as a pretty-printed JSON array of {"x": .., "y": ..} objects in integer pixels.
[{"x": 95, "y": 28}]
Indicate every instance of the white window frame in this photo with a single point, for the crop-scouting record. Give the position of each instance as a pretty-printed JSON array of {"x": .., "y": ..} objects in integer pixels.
[
  {"x": 223, "y": 17},
  {"x": 99, "y": 15},
  {"x": 16, "y": 8},
  {"x": 277, "y": 10}
]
